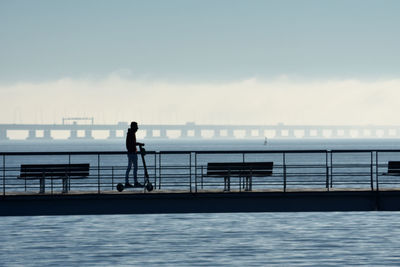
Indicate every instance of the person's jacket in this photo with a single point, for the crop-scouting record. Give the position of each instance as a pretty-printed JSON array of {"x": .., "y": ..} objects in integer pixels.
[{"x": 131, "y": 141}]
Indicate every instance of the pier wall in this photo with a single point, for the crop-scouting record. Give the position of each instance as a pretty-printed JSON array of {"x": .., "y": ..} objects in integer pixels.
[{"x": 23, "y": 205}]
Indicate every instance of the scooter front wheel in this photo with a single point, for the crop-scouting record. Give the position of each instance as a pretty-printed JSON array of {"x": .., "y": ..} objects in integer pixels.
[{"x": 149, "y": 187}]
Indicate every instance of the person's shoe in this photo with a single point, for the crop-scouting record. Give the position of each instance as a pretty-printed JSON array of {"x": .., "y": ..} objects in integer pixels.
[
  {"x": 137, "y": 184},
  {"x": 127, "y": 185}
]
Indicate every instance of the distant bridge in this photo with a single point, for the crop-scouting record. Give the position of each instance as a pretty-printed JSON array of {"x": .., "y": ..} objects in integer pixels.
[{"x": 76, "y": 131}]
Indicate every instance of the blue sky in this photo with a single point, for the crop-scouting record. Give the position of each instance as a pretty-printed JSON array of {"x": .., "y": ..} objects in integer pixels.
[
  {"x": 199, "y": 40},
  {"x": 260, "y": 62}
]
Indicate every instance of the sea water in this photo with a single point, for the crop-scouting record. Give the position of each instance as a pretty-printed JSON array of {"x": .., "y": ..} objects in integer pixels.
[{"x": 225, "y": 239}]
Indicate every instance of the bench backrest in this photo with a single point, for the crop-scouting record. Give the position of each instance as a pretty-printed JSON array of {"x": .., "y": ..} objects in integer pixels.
[
  {"x": 239, "y": 168},
  {"x": 54, "y": 170},
  {"x": 394, "y": 167}
]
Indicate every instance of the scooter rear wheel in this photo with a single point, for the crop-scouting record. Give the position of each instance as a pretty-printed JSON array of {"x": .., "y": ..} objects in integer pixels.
[{"x": 120, "y": 187}]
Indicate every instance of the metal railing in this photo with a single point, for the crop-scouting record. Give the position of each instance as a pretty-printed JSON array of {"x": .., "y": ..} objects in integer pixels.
[{"x": 186, "y": 171}]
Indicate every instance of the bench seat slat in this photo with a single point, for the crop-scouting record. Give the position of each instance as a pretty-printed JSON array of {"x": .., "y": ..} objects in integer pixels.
[
  {"x": 239, "y": 173},
  {"x": 54, "y": 166},
  {"x": 239, "y": 168},
  {"x": 53, "y": 175},
  {"x": 54, "y": 172}
]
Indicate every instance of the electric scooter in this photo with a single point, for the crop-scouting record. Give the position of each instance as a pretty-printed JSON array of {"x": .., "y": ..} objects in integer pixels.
[{"x": 147, "y": 184}]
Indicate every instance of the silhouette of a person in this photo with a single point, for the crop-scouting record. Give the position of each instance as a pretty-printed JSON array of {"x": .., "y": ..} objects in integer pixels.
[{"x": 132, "y": 155}]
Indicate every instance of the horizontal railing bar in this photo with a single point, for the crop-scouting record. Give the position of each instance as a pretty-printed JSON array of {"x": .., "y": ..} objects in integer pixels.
[
  {"x": 185, "y": 152},
  {"x": 257, "y": 151},
  {"x": 197, "y": 152},
  {"x": 362, "y": 150}
]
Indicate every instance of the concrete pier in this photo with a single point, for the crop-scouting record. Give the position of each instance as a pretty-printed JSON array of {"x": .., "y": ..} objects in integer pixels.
[
  {"x": 150, "y": 203},
  {"x": 368, "y": 180}
]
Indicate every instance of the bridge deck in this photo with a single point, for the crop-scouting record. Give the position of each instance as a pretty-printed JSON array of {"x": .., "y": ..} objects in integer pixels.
[{"x": 195, "y": 131}]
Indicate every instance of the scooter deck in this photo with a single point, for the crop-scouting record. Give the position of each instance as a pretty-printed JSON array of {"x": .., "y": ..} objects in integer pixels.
[{"x": 121, "y": 187}]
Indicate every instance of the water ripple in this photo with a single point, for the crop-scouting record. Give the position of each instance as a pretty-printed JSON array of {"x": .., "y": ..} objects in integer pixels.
[{"x": 251, "y": 239}]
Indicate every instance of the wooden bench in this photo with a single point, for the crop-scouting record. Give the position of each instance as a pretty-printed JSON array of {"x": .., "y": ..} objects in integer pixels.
[
  {"x": 239, "y": 169},
  {"x": 54, "y": 171},
  {"x": 393, "y": 168}
]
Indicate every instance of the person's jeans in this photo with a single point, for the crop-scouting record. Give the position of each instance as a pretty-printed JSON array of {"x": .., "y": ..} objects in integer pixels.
[{"x": 132, "y": 159}]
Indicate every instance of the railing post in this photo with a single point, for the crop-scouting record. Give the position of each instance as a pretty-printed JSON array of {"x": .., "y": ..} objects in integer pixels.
[
  {"x": 376, "y": 169},
  {"x": 284, "y": 172},
  {"x": 331, "y": 176},
  {"x": 69, "y": 181},
  {"x": 240, "y": 177},
  {"x": 190, "y": 173},
  {"x": 202, "y": 174},
  {"x": 112, "y": 177},
  {"x": 159, "y": 171},
  {"x": 195, "y": 171},
  {"x": 98, "y": 173},
  {"x": 331, "y": 180},
  {"x": 155, "y": 170},
  {"x": 372, "y": 171},
  {"x": 327, "y": 170},
  {"x": 4, "y": 175}
]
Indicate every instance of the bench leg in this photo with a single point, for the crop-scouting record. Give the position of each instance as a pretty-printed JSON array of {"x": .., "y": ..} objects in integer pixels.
[
  {"x": 42, "y": 185},
  {"x": 65, "y": 185},
  {"x": 227, "y": 183},
  {"x": 248, "y": 183}
]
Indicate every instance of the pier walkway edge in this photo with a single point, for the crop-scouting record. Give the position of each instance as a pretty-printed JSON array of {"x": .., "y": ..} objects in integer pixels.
[{"x": 91, "y": 204}]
